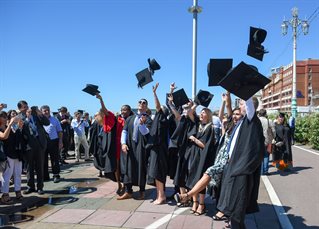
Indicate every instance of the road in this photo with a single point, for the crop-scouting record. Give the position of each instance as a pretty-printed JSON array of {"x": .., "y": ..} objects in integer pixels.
[{"x": 298, "y": 190}]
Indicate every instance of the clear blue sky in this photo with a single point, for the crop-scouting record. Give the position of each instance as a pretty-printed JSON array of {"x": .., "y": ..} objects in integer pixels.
[{"x": 49, "y": 50}]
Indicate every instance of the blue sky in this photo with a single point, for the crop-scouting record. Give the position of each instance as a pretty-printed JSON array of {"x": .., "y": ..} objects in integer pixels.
[{"x": 49, "y": 50}]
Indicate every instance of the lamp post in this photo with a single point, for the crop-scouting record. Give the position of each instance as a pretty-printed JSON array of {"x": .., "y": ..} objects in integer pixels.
[
  {"x": 294, "y": 22},
  {"x": 195, "y": 9}
]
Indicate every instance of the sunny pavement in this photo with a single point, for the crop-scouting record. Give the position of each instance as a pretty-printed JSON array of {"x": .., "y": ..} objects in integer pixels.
[{"x": 95, "y": 206}]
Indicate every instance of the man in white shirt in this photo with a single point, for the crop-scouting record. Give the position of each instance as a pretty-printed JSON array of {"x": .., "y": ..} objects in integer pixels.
[{"x": 78, "y": 125}]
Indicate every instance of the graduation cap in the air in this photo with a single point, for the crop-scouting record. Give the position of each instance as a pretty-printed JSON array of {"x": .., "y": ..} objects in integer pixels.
[
  {"x": 244, "y": 81},
  {"x": 203, "y": 98},
  {"x": 145, "y": 76},
  {"x": 217, "y": 69},
  {"x": 91, "y": 89},
  {"x": 256, "y": 37},
  {"x": 180, "y": 98}
]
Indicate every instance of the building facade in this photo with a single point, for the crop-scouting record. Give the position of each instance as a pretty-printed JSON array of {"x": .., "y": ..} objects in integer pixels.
[{"x": 276, "y": 96}]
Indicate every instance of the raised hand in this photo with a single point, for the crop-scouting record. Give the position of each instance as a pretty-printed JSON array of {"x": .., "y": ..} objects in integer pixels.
[
  {"x": 172, "y": 87},
  {"x": 155, "y": 87}
]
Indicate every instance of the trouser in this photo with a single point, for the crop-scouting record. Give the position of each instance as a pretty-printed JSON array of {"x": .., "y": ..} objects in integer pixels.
[
  {"x": 53, "y": 151},
  {"x": 35, "y": 161},
  {"x": 265, "y": 162},
  {"x": 66, "y": 145},
  {"x": 81, "y": 140},
  {"x": 14, "y": 168}
]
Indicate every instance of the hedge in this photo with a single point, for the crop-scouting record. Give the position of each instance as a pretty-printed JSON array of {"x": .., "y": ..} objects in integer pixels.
[{"x": 307, "y": 130}]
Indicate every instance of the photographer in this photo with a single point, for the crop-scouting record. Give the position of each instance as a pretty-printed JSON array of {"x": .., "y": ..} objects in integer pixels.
[
  {"x": 36, "y": 143},
  {"x": 12, "y": 147},
  {"x": 78, "y": 125}
]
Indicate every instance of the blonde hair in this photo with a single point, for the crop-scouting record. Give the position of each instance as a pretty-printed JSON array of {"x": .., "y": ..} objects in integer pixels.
[{"x": 209, "y": 114}]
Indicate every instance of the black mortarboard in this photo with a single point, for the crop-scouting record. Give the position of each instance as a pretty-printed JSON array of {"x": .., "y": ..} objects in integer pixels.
[
  {"x": 203, "y": 98},
  {"x": 244, "y": 81},
  {"x": 217, "y": 69},
  {"x": 144, "y": 77},
  {"x": 91, "y": 89},
  {"x": 180, "y": 98},
  {"x": 80, "y": 111},
  {"x": 256, "y": 37},
  {"x": 153, "y": 65}
]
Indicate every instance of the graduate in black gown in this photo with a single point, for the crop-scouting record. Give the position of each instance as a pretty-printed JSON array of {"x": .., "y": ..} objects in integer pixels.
[
  {"x": 179, "y": 144},
  {"x": 158, "y": 147},
  {"x": 282, "y": 153},
  {"x": 240, "y": 183},
  {"x": 103, "y": 135},
  {"x": 134, "y": 157},
  {"x": 201, "y": 154}
]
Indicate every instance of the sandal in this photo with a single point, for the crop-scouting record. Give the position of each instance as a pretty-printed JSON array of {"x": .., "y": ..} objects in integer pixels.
[
  {"x": 197, "y": 213},
  {"x": 5, "y": 199},
  {"x": 195, "y": 203},
  {"x": 217, "y": 218},
  {"x": 180, "y": 200}
]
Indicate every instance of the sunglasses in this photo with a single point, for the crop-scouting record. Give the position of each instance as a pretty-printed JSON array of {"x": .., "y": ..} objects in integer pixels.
[{"x": 142, "y": 102}]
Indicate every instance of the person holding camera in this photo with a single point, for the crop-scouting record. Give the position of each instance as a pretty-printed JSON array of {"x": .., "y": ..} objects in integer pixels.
[
  {"x": 11, "y": 136},
  {"x": 78, "y": 125},
  {"x": 65, "y": 122},
  {"x": 36, "y": 144}
]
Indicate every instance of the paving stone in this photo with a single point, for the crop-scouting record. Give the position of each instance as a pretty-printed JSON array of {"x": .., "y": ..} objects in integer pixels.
[
  {"x": 148, "y": 206},
  {"x": 108, "y": 218},
  {"x": 189, "y": 222},
  {"x": 68, "y": 216},
  {"x": 142, "y": 219},
  {"x": 121, "y": 205},
  {"x": 87, "y": 203}
]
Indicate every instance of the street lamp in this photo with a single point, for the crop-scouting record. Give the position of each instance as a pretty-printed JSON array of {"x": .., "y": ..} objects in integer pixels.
[
  {"x": 294, "y": 22},
  {"x": 195, "y": 9}
]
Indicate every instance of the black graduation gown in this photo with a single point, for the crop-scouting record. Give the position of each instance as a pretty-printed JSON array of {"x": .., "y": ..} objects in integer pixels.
[
  {"x": 172, "y": 156},
  {"x": 241, "y": 177},
  {"x": 94, "y": 133},
  {"x": 104, "y": 155},
  {"x": 134, "y": 162},
  {"x": 283, "y": 152},
  {"x": 200, "y": 159},
  {"x": 158, "y": 147},
  {"x": 179, "y": 144}
]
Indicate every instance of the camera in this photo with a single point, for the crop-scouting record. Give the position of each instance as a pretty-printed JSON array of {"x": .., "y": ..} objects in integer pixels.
[
  {"x": 4, "y": 105},
  {"x": 34, "y": 108}
]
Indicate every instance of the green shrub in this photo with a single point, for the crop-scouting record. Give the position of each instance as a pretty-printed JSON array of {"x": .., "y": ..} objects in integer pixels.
[
  {"x": 314, "y": 130},
  {"x": 303, "y": 130}
]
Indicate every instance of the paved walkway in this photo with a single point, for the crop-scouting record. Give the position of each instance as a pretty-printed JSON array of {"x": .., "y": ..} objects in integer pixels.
[{"x": 94, "y": 205}]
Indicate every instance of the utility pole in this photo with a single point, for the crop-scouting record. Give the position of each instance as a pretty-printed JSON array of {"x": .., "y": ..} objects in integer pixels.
[
  {"x": 294, "y": 22},
  {"x": 195, "y": 9}
]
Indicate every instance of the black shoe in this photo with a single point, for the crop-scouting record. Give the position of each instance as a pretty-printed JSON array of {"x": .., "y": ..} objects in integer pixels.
[
  {"x": 46, "y": 179},
  {"x": 28, "y": 191},
  {"x": 63, "y": 162},
  {"x": 40, "y": 192},
  {"x": 56, "y": 179}
]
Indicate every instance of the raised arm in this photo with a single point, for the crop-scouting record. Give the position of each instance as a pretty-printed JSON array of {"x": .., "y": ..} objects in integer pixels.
[
  {"x": 222, "y": 107},
  {"x": 102, "y": 104},
  {"x": 191, "y": 112},
  {"x": 157, "y": 102},
  {"x": 173, "y": 108},
  {"x": 4, "y": 135},
  {"x": 228, "y": 104}
]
